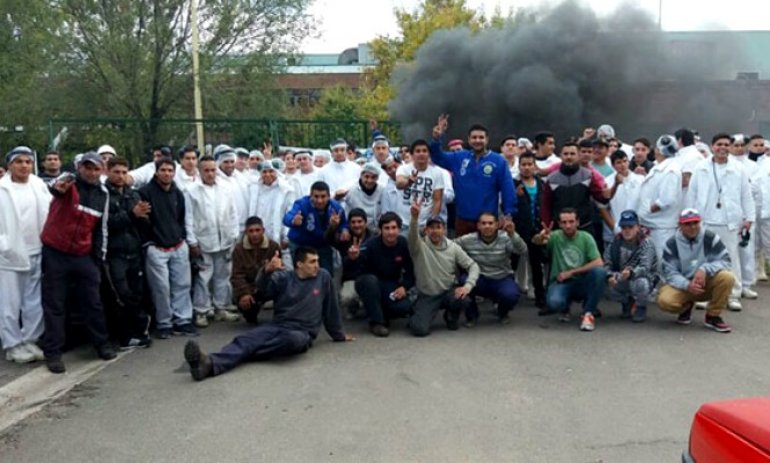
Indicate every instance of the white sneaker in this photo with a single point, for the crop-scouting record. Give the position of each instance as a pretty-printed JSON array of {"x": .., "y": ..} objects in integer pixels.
[
  {"x": 226, "y": 316},
  {"x": 19, "y": 354},
  {"x": 748, "y": 293},
  {"x": 201, "y": 320},
  {"x": 734, "y": 305},
  {"x": 34, "y": 350},
  {"x": 762, "y": 276},
  {"x": 701, "y": 305}
]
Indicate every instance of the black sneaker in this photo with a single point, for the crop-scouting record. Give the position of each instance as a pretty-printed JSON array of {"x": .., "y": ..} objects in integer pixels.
[
  {"x": 163, "y": 333},
  {"x": 55, "y": 365},
  {"x": 200, "y": 364},
  {"x": 717, "y": 324},
  {"x": 141, "y": 342},
  {"x": 452, "y": 323},
  {"x": 185, "y": 330},
  {"x": 379, "y": 330},
  {"x": 106, "y": 352},
  {"x": 685, "y": 318}
]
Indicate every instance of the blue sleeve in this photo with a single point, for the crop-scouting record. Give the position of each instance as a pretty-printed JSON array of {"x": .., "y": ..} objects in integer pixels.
[
  {"x": 289, "y": 216},
  {"x": 507, "y": 191},
  {"x": 343, "y": 218},
  {"x": 439, "y": 157}
]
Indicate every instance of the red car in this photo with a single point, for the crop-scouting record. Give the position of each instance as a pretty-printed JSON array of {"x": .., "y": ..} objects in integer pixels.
[{"x": 731, "y": 431}]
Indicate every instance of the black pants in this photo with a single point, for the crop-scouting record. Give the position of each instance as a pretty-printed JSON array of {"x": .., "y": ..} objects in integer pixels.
[
  {"x": 59, "y": 269},
  {"x": 126, "y": 317},
  {"x": 538, "y": 264},
  {"x": 375, "y": 295}
]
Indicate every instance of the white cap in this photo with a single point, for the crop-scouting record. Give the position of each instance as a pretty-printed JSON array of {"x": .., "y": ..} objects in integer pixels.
[
  {"x": 106, "y": 149},
  {"x": 606, "y": 130}
]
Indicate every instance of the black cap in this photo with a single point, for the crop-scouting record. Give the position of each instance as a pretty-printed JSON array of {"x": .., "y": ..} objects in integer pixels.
[{"x": 435, "y": 219}]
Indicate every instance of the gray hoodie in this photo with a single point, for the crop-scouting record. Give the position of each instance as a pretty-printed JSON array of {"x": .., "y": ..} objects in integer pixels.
[{"x": 683, "y": 257}]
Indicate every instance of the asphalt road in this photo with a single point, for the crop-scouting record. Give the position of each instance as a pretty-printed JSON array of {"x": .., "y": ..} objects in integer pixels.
[{"x": 532, "y": 391}]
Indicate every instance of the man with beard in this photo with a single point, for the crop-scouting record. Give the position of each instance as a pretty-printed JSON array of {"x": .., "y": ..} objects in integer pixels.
[
  {"x": 249, "y": 256},
  {"x": 482, "y": 181},
  {"x": 341, "y": 174},
  {"x": 367, "y": 194},
  {"x": 225, "y": 157},
  {"x": 51, "y": 167},
  {"x": 270, "y": 198}
]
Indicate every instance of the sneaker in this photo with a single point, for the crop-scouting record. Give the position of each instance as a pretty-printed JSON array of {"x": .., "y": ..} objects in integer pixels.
[
  {"x": 452, "y": 323},
  {"x": 201, "y": 320},
  {"x": 200, "y": 364},
  {"x": 701, "y": 305},
  {"x": 163, "y": 333},
  {"x": 470, "y": 323},
  {"x": 625, "y": 311},
  {"x": 762, "y": 277},
  {"x": 106, "y": 352},
  {"x": 717, "y": 324},
  {"x": 34, "y": 350},
  {"x": 55, "y": 365},
  {"x": 226, "y": 316},
  {"x": 748, "y": 293},
  {"x": 142, "y": 342},
  {"x": 19, "y": 354},
  {"x": 640, "y": 314},
  {"x": 587, "y": 322},
  {"x": 185, "y": 330},
  {"x": 504, "y": 320},
  {"x": 565, "y": 317},
  {"x": 734, "y": 305},
  {"x": 685, "y": 317},
  {"x": 379, "y": 330}
]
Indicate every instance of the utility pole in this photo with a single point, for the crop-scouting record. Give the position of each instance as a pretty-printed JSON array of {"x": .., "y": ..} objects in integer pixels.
[
  {"x": 660, "y": 15},
  {"x": 196, "y": 75}
]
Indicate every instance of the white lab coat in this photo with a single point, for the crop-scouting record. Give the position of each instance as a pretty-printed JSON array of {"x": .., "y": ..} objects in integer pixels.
[
  {"x": 210, "y": 217},
  {"x": 271, "y": 203},
  {"x": 661, "y": 186},
  {"x": 340, "y": 175},
  {"x": 736, "y": 201}
]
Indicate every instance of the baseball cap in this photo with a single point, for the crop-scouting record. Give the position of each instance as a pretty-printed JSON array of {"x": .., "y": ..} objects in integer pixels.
[
  {"x": 689, "y": 216},
  {"x": 628, "y": 218},
  {"x": 433, "y": 220},
  {"x": 91, "y": 157},
  {"x": 106, "y": 149},
  {"x": 455, "y": 142}
]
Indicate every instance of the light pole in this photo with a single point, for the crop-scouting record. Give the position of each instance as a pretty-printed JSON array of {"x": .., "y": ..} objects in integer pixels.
[{"x": 196, "y": 75}]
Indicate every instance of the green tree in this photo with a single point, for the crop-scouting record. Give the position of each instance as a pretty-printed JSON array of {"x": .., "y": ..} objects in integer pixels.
[{"x": 136, "y": 53}]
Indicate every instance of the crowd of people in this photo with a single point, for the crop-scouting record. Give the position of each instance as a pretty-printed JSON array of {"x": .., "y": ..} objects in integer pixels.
[{"x": 188, "y": 240}]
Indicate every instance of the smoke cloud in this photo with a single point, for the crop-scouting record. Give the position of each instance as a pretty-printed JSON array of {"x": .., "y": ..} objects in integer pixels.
[{"x": 566, "y": 70}]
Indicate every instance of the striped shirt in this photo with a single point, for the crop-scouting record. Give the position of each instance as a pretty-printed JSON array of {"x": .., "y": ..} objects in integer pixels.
[{"x": 494, "y": 258}]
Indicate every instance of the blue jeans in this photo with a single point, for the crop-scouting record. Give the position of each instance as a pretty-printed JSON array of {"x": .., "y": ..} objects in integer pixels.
[
  {"x": 260, "y": 343},
  {"x": 169, "y": 278},
  {"x": 588, "y": 287},
  {"x": 504, "y": 291}
]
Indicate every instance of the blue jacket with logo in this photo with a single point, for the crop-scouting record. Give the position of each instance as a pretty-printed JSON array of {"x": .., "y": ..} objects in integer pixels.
[
  {"x": 479, "y": 186},
  {"x": 314, "y": 223}
]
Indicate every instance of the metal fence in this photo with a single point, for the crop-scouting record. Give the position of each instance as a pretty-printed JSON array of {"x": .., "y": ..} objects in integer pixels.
[{"x": 129, "y": 136}]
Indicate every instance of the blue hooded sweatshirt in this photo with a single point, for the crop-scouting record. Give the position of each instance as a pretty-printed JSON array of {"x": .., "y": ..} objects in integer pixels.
[{"x": 314, "y": 222}]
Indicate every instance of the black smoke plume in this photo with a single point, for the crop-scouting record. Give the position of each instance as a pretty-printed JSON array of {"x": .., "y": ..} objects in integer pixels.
[{"x": 564, "y": 70}]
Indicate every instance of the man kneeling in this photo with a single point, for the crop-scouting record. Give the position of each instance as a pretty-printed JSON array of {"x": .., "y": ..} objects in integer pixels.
[
  {"x": 303, "y": 299},
  {"x": 695, "y": 269}
]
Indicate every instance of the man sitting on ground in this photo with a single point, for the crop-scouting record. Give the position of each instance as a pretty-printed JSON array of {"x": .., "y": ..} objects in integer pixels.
[
  {"x": 304, "y": 299},
  {"x": 696, "y": 268},
  {"x": 631, "y": 263}
]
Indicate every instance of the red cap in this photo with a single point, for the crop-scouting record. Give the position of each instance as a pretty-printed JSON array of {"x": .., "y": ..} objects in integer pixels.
[{"x": 455, "y": 142}]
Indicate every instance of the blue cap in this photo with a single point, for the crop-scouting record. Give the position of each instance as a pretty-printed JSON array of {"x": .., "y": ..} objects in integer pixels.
[{"x": 628, "y": 218}]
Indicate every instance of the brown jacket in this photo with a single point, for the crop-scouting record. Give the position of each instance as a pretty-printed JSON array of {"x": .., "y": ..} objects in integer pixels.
[{"x": 247, "y": 260}]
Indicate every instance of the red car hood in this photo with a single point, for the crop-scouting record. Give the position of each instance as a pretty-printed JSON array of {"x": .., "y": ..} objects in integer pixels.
[{"x": 748, "y": 418}]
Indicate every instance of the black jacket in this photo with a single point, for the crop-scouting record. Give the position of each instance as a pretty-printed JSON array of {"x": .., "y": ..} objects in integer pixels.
[
  {"x": 526, "y": 227},
  {"x": 165, "y": 227},
  {"x": 387, "y": 264},
  {"x": 123, "y": 227}
]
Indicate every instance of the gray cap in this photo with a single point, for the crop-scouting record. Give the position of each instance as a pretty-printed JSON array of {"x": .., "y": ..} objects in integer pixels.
[
  {"x": 372, "y": 168},
  {"x": 91, "y": 157}
]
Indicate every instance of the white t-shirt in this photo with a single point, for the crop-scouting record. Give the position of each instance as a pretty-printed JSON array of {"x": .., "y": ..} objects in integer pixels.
[
  {"x": 687, "y": 158},
  {"x": 428, "y": 181},
  {"x": 26, "y": 207},
  {"x": 544, "y": 164}
]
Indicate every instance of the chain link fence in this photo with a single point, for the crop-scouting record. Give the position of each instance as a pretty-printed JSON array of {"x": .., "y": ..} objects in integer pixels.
[{"x": 131, "y": 137}]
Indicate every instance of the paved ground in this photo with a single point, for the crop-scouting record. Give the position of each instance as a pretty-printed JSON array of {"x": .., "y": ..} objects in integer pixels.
[{"x": 532, "y": 391}]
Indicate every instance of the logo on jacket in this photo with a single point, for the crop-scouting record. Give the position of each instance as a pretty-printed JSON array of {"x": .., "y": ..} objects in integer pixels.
[
  {"x": 316, "y": 292},
  {"x": 464, "y": 166},
  {"x": 398, "y": 259},
  {"x": 487, "y": 169},
  {"x": 310, "y": 222}
]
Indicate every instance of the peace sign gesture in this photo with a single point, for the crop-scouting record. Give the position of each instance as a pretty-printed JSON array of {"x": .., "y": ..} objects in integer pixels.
[
  {"x": 275, "y": 263},
  {"x": 544, "y": 235},
  {"x": 334, "y": 220},
  {"x": 442, "y": 124},
  {"x": 355, "y": 249},
  {"x": 267, "y": 149}
]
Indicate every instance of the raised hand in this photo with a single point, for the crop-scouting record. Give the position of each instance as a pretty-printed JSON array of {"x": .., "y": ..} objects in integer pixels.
[
  {"x": 372, "y": 124},
  {"x": 297, "y": 221},
  {"x": 141, "y": 210},
  {"x": 334, "y": 220},
  {"x": 509, "y": 226},
  {"x": 275, "y": 263},
  {"x": 441, "y": 126},
  {"x": 413, "y": 177},
  {"x": 415, "y": 208},
  {"x": 355, "y": 249},
  {"x": 267, "y": 149}
]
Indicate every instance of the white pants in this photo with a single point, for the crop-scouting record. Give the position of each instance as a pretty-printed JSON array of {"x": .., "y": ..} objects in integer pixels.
[
  {"x": 660, "y": 237},
  {"x": 731, "y": 238},
  {"x": 212, "y": 284},
  {"x": 762, "y": 232},
  {"x": 20, "y": 302}
]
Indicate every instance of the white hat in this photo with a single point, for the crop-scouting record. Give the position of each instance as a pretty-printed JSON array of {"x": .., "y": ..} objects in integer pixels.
[
  {"x": 606, "y": 130},
  {"x": 106, "y": 149}
]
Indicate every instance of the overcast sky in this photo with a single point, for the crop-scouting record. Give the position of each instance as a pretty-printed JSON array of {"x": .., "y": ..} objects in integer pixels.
[{"x": 345, "y": 23}]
